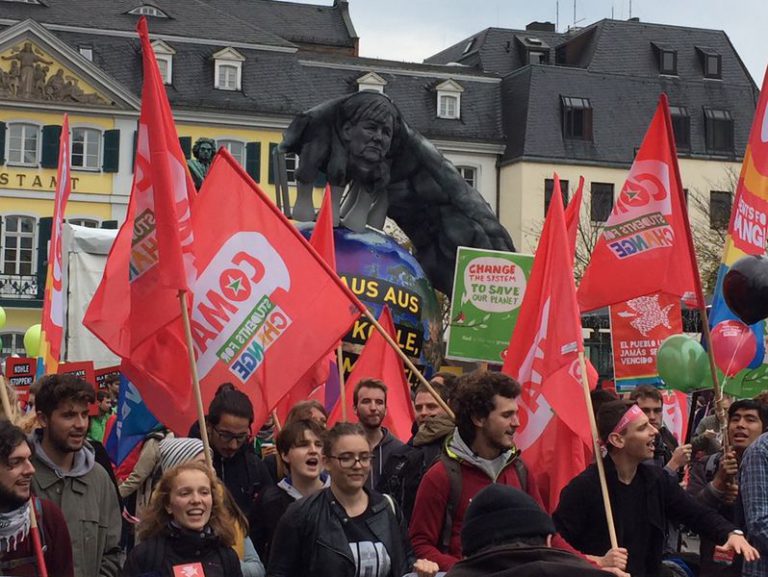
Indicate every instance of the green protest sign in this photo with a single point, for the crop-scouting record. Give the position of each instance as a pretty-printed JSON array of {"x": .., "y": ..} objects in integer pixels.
[{"x": 488, "y": 289}]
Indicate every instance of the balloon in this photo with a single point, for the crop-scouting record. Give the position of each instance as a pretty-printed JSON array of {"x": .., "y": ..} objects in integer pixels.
[
  {"x": 734, "y": 346},
  {"x": 32, "y": 340},
  {"x": 682, "y": 363},
  {"x": 745, "y": 288},
  {"x": 2, "y": 317}
]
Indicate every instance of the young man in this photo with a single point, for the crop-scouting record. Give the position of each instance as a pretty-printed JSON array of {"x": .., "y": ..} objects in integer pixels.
[
  {"x": 507, "y": 534},
  {"x": 17, "y": 553},
  {"x": 714, "y": 478},
  {"x": 369, "y": 400},
  {"x": 99, "y": 421},
  {"x": 479, "y": 452},
  {"x": 643, "y": 498},
  {"x": 667, "y": 453},
  {"x": 229, "y": 420},
  {"x": 67, "y": 474},
  {"x": 754, "y": 497}
]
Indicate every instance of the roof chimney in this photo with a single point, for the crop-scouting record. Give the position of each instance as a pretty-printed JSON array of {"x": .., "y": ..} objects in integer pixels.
[
  {"x": 634, "y": 19},
  {"x": 541, "y": 26}
]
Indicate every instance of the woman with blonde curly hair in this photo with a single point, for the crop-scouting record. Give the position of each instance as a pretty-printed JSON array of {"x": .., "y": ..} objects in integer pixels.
[{"x": 186, "y": 527}]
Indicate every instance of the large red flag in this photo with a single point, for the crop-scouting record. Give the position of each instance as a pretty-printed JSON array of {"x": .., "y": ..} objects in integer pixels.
[
  {"x": 643, "y": 248},
  {"x": 267, "y": 307},
  {"x": 543, "y": 357},
  {"x": 53, "y": 302},
  {"x": 135, "y": 310},
  {"x": 379, "y": 361},
  {"x": 572, "y": 213}
]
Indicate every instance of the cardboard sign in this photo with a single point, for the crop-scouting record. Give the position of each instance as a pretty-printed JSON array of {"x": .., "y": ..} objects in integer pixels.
[
  {"x": 638, "y": 327},
  {"x": 488, "y": 289},
  {"x": 81, "y": 369},
  {"x": 20, "y": 372},
  {"x": 101, "y": 376}
]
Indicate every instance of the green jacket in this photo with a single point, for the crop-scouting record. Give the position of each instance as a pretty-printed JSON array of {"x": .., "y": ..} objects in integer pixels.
[{"x": 89, "y": 504}]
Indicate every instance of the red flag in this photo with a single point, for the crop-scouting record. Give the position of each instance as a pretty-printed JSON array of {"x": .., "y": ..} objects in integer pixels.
[
  {"x": 572, "y": 213},
  {"x": 379, "y": 361},
  {"x": 267, "y": 307},
  {"x": 53, "y": 303},
  {"x": 135, "y": 311},
  {"x": 644, "y": 248},
  {"x": 543, "y": 356}
]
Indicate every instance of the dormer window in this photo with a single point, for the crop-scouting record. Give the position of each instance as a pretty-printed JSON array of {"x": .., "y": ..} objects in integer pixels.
[
  {"x": 667, "y": 57},
  {"x": 449, "y": 100},
  {"x": 148, "y": 10},
  {"x": 577, "y": 118},
  {"x": 371, "y": 82},
  {"x": 681, "y": 126},
  {"x": 164, "y": 56},
  {"x": 228, "y": 69},
  {"x": 532, "y": 50},
  {"x": 711, "y": 62}
]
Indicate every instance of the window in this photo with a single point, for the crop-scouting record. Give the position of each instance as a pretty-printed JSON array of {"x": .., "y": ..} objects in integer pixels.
[
  {"x": 449, "y": 99},
  {"x": 23, "y": 144},
  {"x": 228, "y": 69},
  {"x": 291, "y": 164},
  {"x": 537, "y": 57},
  {"x": 86, "y": 51},
  {"x": 549, "y": 187},
  {"x": 711, "y": 62},
  {"x": 164, "y": 56},
  {"x": 668, "y": 62},
  {"x": 577, "y": 118},
  {"x": 469, "y": 174},
  {"x": 719, "y": 209},
  {"x": 235, "y": 148},
  {"x": 148, "y": 11},
  {"x": 372, "y": 82},
  {"x": 86, "y": 222},
  {"x": 718, "y": 128},
  {"x": 681, "y": 126},
  {"x": 86, "y": 148},
  {"x": 12, "y": 344},
  {"x": 18, "y": 252},
  {"x": 468, "y": 46},
  {"x": 602, "y": 201}
]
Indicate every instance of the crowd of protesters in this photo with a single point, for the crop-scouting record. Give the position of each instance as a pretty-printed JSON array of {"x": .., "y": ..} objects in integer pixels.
[{"x": 352, "y": 500}]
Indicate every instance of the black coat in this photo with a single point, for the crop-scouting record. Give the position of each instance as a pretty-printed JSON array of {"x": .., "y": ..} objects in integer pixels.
[
  {"x": 506, "y": 561},
  {"x": 580, "y": 515},
  {"x": 310, "y": 539},
  {"x": 244, "y": 475},
  {"x": 156, "y": 557},
  {"x": 269, "y": 508}
]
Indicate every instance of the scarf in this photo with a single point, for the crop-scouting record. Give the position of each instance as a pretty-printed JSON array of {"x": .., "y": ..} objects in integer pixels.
[{"x": 14, "y": 527}]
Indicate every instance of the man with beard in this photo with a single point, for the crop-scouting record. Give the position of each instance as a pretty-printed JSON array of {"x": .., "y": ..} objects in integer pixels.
[
  {"x": 17, "y": 552},
  {"x": 369, "y": 400},
  {"x": 66, "y": 473}
]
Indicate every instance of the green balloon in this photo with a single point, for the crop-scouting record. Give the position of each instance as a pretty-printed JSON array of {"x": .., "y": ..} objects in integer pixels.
[
  {"x": 32, "y": 340},
  {"x": 2, "y": 317},
  {"x": 682, "y": 363}
]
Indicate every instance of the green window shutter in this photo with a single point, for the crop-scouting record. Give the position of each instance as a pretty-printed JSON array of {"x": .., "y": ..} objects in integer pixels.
[
  {"x": 2, "y": 142},
  {"x": 111, "y": 151},
  {"x": 321, "y": 180},
  {"x": 186, "y": 146},
  {"x": 44, "y": 226},
  {"x": 253, "y": 160},
  {"x": 51, "y": 136},
  {"x": 109, "y": 224},
  {"x": 135, "y": 143},
  {"x": 271, "y": 173}
]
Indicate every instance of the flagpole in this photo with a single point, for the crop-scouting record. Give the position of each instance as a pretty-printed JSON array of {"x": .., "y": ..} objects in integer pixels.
[
  {"x": 598, "y": 454},
  {"x": 342, "y": 391},
  {"x": 408, "y": 363},
  {"x": 195, "y": 380}
]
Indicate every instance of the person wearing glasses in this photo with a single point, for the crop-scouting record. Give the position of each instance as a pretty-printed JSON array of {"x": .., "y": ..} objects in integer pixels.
[
  {"x": 345, "y": 530},
  {"x": 229, "y": 420}
]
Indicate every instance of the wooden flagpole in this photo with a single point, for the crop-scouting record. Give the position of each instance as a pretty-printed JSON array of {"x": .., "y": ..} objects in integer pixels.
[
  {"x": 342, "y": 385},
  {"x": 598, "y": 454},
  {"x": 195, "y": 380}
]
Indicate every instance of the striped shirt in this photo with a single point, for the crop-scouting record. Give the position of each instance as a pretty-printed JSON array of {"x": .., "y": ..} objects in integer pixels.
[{"x": 754, "y": 495}]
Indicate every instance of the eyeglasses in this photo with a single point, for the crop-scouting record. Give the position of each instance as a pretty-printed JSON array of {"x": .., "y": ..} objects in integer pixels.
[
  {"x": 348, "y": 461},
  {"x": 228, "y": 437}
]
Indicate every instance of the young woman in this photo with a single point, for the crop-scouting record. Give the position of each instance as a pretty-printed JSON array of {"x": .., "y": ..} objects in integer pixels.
[
  {"x": 344, "y": 530},
  {"x": 186, "y": 525},
  {"x": 300, "y": 448}
]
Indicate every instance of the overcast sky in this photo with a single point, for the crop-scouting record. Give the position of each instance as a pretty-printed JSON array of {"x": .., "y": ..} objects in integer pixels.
[{"x": 412, "y": 30}]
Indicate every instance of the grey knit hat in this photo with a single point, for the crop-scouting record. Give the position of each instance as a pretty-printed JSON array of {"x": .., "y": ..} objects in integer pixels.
[{"x": 177, "y": 450}]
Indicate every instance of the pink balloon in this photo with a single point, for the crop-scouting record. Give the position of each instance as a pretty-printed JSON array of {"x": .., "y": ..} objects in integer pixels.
[{"x": 734, "y": 346}]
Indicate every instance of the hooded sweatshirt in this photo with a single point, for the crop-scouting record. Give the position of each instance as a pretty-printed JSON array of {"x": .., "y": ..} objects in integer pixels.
[{"x": 381, "y": 452}]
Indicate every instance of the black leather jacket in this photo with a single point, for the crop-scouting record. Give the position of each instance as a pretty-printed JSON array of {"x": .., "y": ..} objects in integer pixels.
[{"x": 310, "y": 539}]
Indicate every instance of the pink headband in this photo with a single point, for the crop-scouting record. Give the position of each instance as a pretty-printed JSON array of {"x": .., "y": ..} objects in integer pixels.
[{"x": 633, "y": 414}]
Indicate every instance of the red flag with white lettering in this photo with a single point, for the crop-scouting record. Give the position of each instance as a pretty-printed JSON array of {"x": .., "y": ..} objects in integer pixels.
[
  {"x": 554, "y": 432},
  {"x": 643, "y": 248},
  {"x": 379, "y": 361}
]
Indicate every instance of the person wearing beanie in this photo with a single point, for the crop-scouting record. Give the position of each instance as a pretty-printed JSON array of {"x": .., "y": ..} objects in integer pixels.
[
  {"x": 506, "y": 533},
  {"x": 177, "y": 450}
]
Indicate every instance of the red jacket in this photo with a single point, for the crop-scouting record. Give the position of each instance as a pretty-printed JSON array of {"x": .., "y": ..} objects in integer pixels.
[{"x": 432, "y": 499}]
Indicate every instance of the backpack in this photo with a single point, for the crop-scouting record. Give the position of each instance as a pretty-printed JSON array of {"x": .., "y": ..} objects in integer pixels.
[{"x": 401, "y": 477}]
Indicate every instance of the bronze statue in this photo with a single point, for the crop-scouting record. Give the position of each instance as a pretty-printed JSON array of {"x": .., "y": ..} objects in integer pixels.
[
  {"x": 361, "y": 141},
  {"x": 202, "y": 157}
]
